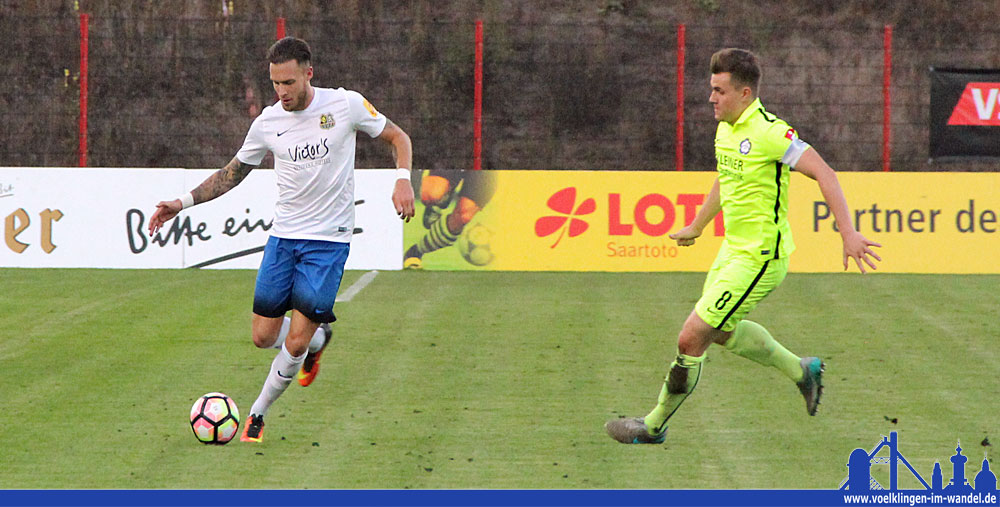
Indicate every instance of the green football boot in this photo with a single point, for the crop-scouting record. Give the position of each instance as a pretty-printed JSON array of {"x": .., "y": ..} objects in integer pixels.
[{"x": 811, "y": 385}]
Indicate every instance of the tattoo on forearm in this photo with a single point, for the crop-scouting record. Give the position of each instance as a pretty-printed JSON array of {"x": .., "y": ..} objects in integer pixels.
[{"x": 222, "y": 181}]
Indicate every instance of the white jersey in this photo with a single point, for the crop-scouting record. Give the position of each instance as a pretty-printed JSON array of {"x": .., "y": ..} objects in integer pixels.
[{"x": 313, "y": 161}]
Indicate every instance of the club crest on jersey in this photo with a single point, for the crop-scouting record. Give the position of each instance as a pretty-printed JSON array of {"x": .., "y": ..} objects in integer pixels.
[
  {"x": 326, "y": 121},
  {"x": 745, "y": 146}
]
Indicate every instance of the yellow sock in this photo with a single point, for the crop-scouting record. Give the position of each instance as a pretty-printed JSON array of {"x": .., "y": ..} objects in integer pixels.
[
  {"x": 753, "y": 342},
  {"x": 681, "y": 380}
]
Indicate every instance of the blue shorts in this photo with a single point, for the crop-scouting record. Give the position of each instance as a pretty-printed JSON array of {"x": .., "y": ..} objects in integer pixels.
[{"x": 300, "y": 274}]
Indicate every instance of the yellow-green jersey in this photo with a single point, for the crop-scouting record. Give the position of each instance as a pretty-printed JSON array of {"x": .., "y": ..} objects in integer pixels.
[{"x": 754, "y": 156}]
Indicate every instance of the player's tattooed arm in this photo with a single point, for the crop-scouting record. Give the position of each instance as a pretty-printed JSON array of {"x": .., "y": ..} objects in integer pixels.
[
  {"x": 215, "y": 185},
  {"x": 222, "y": 181}
]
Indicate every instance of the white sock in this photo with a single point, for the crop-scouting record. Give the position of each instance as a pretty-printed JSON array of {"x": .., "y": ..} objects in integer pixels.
[
  {"x": 283, "y": 370},
  {"x": 282, "y": 334},
  {"x": 318, "y": 340}
]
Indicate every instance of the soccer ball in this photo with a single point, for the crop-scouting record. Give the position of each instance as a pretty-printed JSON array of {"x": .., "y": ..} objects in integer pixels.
[
  {"x": 215, "y": 419},
  {"x": 474, "y": 245}
]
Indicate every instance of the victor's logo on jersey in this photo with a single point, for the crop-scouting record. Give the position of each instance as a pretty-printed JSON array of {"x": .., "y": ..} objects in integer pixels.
[
  {"x": 326, "y": 121},
  {"x": 371, "y": 108},
  {"x": 790, "y": 134},
  {"x": 745, "y": 146},
  {"x": 309, "y": 151}
]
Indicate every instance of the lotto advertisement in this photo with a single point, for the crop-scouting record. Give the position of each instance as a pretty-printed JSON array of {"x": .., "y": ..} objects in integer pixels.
[{"x": 620, "y": 221}]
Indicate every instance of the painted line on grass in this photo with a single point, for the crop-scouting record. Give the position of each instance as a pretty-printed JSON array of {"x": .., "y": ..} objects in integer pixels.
[{"x": 355, "y": 288}]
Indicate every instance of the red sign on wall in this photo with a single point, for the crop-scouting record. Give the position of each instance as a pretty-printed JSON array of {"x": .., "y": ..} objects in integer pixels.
[
  {"x": 979, "y": 105},
  {"x": 965, "y": 113}
]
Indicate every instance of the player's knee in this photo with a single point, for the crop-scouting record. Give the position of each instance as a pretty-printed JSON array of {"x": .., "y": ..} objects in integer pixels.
[
  {"x": 297, "y": 343},
  {"x": 264, "y": 330},
  {"x": 687, "y": 344},
  {"x": 692, "y": 343},
  {"x": 263, "y": 339},
  {"x": 433, "y": 189},
  {"x": 467, "y": 208}
]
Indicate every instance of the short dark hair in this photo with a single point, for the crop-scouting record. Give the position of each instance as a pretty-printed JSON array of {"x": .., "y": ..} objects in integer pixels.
[
  {"x": 290, "y": 48},
  {"x": 740, "y": 63}
]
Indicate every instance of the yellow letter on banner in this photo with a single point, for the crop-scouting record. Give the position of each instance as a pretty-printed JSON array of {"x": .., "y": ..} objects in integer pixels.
[
  {"x": 48, "y": 216},
  {"x": 12, "y": 229}
]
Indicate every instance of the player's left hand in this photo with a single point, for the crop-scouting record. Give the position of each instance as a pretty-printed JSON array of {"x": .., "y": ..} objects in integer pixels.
[
  {"x": 402, "y": 199},
  {"x": 856, "y": 247}
]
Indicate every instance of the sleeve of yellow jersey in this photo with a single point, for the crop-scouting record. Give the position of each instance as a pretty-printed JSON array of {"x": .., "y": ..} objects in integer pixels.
[{"x": 782, "y": 142}]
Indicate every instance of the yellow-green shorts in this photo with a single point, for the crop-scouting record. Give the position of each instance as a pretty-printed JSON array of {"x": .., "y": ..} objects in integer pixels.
[{"x": 734, "y": 286}]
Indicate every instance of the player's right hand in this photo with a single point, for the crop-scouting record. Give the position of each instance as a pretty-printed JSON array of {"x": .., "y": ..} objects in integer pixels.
[
  {"x": 686, "y": 236},
  {"x": 165, "y": 211},
  {"x": 856, "y": 247}
]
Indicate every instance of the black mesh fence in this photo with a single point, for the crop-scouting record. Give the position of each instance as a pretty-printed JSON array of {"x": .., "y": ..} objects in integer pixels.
[
  {"x": 39, "y": 102},
  {"x": 166, "y": 93},
  {"x": 598, "y": 95}
]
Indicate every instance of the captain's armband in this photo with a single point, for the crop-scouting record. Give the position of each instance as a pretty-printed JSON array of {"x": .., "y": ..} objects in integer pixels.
[{"x": 794, "y": 152}]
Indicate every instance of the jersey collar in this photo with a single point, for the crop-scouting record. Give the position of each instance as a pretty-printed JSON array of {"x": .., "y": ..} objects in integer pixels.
[{"x": 751, "y": 109}]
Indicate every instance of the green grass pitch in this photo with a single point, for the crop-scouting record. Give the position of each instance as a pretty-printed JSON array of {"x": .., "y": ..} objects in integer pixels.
[{"x": 485, "y": 380}]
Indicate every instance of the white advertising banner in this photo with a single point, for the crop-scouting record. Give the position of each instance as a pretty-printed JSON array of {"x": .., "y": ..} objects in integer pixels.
[{"x": 97, "y": 218}]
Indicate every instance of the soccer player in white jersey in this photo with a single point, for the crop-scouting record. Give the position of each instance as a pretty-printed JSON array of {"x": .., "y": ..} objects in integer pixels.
[{"x": 312, "y": 134}]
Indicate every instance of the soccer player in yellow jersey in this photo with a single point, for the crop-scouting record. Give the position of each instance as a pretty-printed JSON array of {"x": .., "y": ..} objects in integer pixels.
[{"x": 754, "y": 151}]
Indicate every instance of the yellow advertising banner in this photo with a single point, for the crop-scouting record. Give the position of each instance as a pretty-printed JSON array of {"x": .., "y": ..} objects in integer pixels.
[
  {"x": 619, "y": 221},
  {"x": 600, "y": 221},
  {"x": 926, "y": 222}
]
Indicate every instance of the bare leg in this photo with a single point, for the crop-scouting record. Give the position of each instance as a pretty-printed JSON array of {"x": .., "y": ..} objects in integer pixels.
[
  {"x": 300, "y": 334},
  {"x": 692, "y": 342},
  {"x": 289, "y": 359},
  {"x": 265, "y": 330}
]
